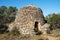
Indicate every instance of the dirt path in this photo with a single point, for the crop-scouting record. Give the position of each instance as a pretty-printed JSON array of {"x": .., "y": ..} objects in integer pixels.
[
  {"x": 36, "y": 37},
  {"x": 50, "y": 37}
]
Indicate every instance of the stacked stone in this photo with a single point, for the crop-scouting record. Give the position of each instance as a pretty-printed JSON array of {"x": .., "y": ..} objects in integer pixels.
[{"x": 26, "y": 18}]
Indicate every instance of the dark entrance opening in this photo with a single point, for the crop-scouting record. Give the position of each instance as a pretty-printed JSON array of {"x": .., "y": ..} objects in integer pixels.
[
  {"x": 36, "y": 29},
  {"x": 36, "y": 26}
]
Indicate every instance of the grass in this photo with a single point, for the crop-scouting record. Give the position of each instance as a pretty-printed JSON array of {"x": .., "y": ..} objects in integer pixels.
[{"x": 2, "y": 36}]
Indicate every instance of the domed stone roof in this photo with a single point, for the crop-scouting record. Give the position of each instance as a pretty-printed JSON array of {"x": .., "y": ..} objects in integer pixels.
[{"x": 30, "y": 13}]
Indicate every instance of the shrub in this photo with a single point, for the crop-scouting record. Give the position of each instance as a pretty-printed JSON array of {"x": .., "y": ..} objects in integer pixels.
[
  {"x": 3, "y": 29},
  {"x": 53, "y": 20},
  {"x": 14, "y": 31},
  {"x": 37, "y": 31}
]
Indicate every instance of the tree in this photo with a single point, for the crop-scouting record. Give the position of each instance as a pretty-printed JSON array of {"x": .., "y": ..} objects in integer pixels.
[
  {"x": 53, "y": 20},
  {"x": 2, "y": 9},
  {"x": 7, "y": 15},
  {"x": 10, "y": 14}
]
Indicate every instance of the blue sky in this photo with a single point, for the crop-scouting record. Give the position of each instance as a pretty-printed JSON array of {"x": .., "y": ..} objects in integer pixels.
[{"x": 47, "y": 6}]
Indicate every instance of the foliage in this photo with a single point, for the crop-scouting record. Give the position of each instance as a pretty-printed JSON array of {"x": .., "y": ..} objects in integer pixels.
[
  {"x": 7, "y": 15},
  {"x": 53, "y": 20},
  {"x": 37, "y": 31},
  {"x": 3, "y": 29},
  {"x": 2, "y": 9},
  {"x": 14, "y": 31}
]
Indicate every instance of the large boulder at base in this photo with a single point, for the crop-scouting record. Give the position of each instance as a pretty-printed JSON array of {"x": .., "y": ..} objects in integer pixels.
[{"x": 27, "y": 19}]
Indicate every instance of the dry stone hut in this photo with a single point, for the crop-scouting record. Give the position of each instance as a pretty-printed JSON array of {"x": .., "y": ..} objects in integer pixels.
[{"x": 28, "y": 18}]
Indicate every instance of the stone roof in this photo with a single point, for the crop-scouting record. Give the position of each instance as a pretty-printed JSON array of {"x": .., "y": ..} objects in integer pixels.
[{"x": 31, "y": 10}]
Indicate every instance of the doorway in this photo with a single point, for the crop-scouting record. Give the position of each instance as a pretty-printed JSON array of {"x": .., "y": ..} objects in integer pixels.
[{"x": 36, "y": 26}]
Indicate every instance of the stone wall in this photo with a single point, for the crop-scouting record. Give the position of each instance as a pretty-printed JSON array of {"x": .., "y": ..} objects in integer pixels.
[{"x": 26, "y": 18}]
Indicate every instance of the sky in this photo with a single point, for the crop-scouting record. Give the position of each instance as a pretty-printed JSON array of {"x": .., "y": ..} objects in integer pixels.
[{"x": 47, "y": 6}]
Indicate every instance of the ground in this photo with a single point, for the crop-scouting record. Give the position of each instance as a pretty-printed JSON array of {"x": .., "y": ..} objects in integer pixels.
[{"x": 35, "y": 37}]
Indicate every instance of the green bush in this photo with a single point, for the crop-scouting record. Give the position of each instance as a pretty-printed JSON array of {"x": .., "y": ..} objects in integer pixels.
[
  {"x": 3, "y": 29},
  {"x": 37, "y": 31},
  {"x": 14, "y": 31},
  {"x": 53, "y": 20}
]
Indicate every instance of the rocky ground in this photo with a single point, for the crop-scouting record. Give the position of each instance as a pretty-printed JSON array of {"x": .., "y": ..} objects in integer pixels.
[{"x": 35, "y": 37}]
